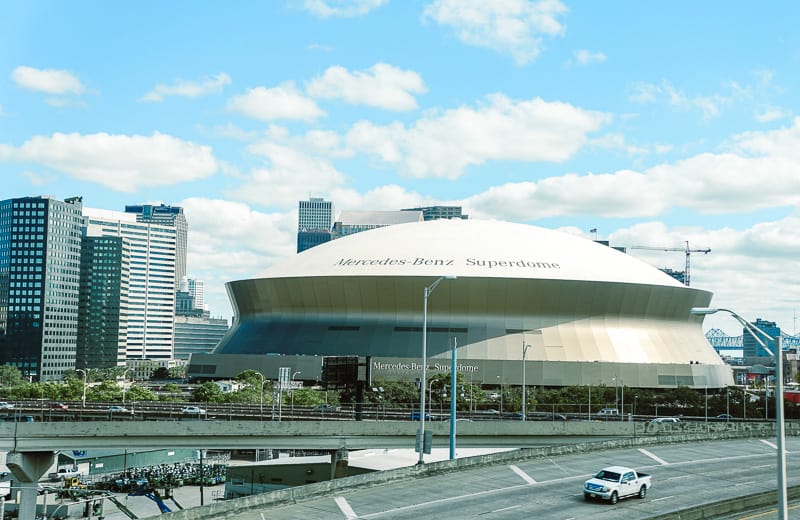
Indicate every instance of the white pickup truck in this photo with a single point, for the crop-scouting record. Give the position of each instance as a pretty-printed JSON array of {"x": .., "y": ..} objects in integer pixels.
[{"x": 615, "y": 482}]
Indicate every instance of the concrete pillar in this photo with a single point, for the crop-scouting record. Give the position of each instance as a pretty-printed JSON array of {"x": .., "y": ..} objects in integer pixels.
[
  {"x": 28, "y": 467},
  {"x": 339, "y": 462}
]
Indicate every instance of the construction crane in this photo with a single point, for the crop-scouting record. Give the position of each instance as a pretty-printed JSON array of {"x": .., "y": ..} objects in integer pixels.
[{"x": 688, "y": 251}]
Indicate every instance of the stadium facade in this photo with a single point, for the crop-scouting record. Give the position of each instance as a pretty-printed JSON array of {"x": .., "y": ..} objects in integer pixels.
[{"x": 591, "y": 315}]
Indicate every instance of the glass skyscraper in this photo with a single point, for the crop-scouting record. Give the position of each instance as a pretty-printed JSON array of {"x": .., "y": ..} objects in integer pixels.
[
  {"x": 40, "y": 254},
  {"x": 314, "y": 222}
]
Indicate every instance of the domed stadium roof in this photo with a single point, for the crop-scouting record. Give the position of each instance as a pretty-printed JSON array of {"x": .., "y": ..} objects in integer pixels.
[{"x": 470, "y": 248}]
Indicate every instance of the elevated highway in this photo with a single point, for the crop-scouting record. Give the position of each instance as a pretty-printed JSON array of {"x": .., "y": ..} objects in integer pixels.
[{"x": 31, "y": 446}]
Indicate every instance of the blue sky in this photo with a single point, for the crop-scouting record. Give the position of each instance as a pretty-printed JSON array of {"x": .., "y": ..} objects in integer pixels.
[{"x": 655, "y": 124}]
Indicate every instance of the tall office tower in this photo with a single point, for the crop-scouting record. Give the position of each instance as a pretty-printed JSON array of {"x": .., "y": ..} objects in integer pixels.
[
  {"x": 197, "y": 335},
  {"x": 103, "y": 302},
  {"x": 351, "y": 222},
  {"x": 314, "y": 222},
  {"x": 40, "y": 255},
  {"x": 751, "y": 348},
  {"x": 440, "y": 212},
  {"x": 195, "y": 288},
  {"x": 169, "y": 216},
  {"x": 151, "y": 296}
]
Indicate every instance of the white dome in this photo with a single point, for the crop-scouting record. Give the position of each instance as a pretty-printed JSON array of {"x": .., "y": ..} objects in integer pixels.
[{"x": 469, "y": 248}]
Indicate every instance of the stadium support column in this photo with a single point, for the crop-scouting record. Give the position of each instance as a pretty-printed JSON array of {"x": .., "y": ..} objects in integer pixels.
[{"x": 28, "y": 467}]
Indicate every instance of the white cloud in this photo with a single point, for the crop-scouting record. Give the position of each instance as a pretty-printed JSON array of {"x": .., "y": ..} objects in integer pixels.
[
  {"x": 231, "y": 241},
  {"x": 711, "y": 183},
  {"x": 281, "y": 102},
  {"x": 190, "y": 89},
  {"x": 289, "y": 176},
  {"x": 49, "y": 81},
  {"x": 769, "y": 114},
  {"x": 382, "y": 86},
  {"x": 585, "y": 57},
  {"x": 710, "y": 106},
  {"x": 341, "y": 8},
  {"x": 389, "y": 196},
  {"x": 120, "y": 162},
  {"x": 513, "y": 27},
  {"x": 445, "y": 144}
]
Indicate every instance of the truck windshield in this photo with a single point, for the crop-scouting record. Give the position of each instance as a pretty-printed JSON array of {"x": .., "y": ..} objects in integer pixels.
[{"x": 608, "y": 475}]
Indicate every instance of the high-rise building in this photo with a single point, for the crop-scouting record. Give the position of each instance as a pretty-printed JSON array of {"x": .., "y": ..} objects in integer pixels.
[
  {"x": 151, "y": 297},
  {"x": 196, "y": 289},
  {"x": 168, "y": 216},
  {"x": 751, "y": 348},
  {"x": 351, "y": 222},
  {"x": 314, "y": 222},
  {"x": 197, "y": 335},
  {"x": 440, "y": 212},
  {"x": 40, "y": 255},
  {"x": 103, "y": 310}
]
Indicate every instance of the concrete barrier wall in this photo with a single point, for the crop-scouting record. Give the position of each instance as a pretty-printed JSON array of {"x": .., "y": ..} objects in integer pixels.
[{"x": 661, "y": 434}]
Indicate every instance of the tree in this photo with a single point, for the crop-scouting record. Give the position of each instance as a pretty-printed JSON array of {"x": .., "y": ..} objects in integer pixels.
[
  {"x": 159, "y": 373},
  {"x": 10, "y": 376},
  {"x": 208, "y": 393}
]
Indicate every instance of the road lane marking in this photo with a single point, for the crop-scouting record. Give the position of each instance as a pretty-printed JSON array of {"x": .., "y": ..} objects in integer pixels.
[
  {"x": 345, "y": 508},
  {"x": 654, "y": 457},
  {"x": 745, "y": 483},
  {"x": 770, "y": 444},
  {"x": 680, "y": 477},
  {"x": 506, "y": 508},
  {"x": 662, "y": 498},
  {"x": 527, "y": 478}
]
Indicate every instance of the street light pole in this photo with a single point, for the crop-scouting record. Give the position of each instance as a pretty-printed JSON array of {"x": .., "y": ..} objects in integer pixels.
[
  {"x": 453, "y": 398},
  {"x": 261, "y": 397},
  {"x": 83, "y": 397},
  {"x": 124, "y": 388},
  {"x": 421, "y": 432},
  {"x": 780, "y": 430},
  {"x": 524, "y": 400},
  {"x": 291, "y": 393}
]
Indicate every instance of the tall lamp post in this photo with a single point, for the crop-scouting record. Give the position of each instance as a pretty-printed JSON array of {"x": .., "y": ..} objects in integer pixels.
[
  {"x": 291, "y": 392},
  {"x": 261, "y": 396},
  {"x": 83, "y": 397},
  {"x": 124, "y": 388},
  {"x": 524, "y": 399},
  {"x": 421, "y": 432},
  {"x": 783, "y": 507}
]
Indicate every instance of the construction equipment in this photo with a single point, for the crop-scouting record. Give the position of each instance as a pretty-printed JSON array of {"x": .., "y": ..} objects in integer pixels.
[{"x": 685, "y": 249}]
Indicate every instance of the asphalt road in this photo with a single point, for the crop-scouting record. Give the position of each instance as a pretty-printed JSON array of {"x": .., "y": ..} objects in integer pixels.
[{"x": 683, "y": 475}]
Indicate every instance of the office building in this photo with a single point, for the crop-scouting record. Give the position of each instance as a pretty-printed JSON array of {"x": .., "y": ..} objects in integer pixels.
[
  {"x": 751, "y": 348},
  {"x": 439, "y": 212},
  {"x": 167, "y": 216},
  {"x": 352, "y": 222},
  {"x": 40, "y": 255},
  {"x": 197, "y": 335},
  {"x": 103, "y": 303},
  {"x": 151, "y": 297},
  {"x": 314, "y": 222}
]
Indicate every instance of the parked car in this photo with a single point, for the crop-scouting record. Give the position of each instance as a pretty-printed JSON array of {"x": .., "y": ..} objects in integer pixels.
[
  {"x": 59, "y": 406},
  {"x": 725, "y": 416},
  {"x": 608, "y": 411},
  {"x": 415, "y": 416},
  {"x": 6, "y": 405},
  {"x": 661, "y": 420},
  {"x": 192, "y": 410},
  {"x": 118, "y": 409}
]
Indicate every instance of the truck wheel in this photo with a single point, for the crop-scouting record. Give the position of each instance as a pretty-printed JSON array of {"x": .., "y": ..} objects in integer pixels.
[
  {"x": 613, "y": 498},
  {"x": 585, "y": 497},
  {"x": 642, "y": 491}
]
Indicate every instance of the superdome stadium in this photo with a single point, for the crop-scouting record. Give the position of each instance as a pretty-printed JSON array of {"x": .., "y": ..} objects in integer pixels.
[{"x": 580, "y": 313}]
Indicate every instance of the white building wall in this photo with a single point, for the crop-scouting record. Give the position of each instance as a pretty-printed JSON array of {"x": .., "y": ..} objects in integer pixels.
[{"x": 151, "y": 306}]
